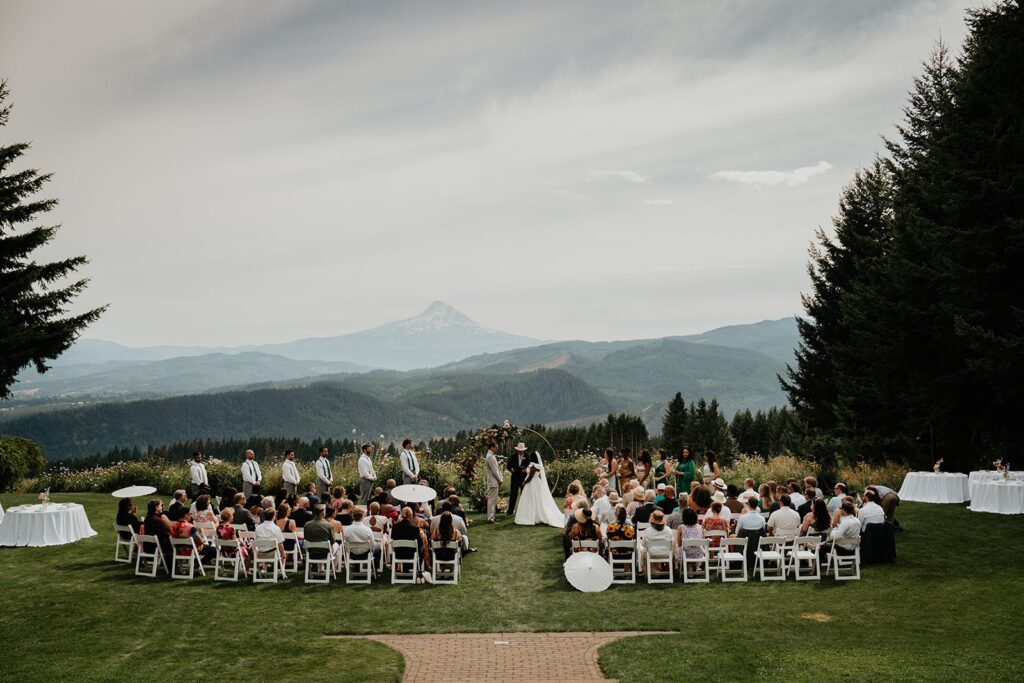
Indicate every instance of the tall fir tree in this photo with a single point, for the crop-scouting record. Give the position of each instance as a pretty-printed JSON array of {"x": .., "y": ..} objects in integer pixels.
[{"x": 673, "y": 425}]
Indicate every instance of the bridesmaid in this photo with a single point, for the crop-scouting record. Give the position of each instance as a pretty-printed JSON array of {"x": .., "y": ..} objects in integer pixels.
[
  {"x": 644, "y": 465},
  {"x": 661, "y": 469},
  {"x": 684, "y": 470},
  {"x": 627, "y": 470},
  {"x": 611, "y": 468},
  {"x": 711, "y": 469}
]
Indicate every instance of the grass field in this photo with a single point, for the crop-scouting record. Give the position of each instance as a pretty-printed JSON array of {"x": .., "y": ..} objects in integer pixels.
[{"x": 947, "y": 611}]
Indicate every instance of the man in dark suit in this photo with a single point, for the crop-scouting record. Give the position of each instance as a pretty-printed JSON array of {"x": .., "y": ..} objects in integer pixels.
[
  {"x": 643, "y": 513},
  {"x": 242, "y": 515},
  {"x": 301, "y": 514},
  {"x": 517, "y": 464},
  {"x": 256, "y": 498}
]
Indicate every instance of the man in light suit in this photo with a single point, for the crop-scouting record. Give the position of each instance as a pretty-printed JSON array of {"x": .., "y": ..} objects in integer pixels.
[
  {"x": 367, "y": 475},
  {"x": 290, "y": 473},
  {"x": 324, "y": 476},
  {"x": 198, "y": 474},
  {"x": 410, "y": 465},
  {"x": 495, "y": 475},
  {"x": 251, "y": 474}
]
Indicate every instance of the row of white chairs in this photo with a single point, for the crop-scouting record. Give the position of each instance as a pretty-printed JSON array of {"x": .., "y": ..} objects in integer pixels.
[
  {"x": 268, "y": 566},
  {"x": 775, "y": 559}
]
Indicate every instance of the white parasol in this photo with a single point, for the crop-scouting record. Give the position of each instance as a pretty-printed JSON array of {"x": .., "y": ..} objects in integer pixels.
[
  {"x": 132, "y": 491},
  {"x": 588, "y": 572},
  {"x": 413, "y": 493}
]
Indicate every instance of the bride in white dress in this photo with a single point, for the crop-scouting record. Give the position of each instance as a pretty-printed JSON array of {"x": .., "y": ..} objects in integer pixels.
[{"x": 536, "y": 505}]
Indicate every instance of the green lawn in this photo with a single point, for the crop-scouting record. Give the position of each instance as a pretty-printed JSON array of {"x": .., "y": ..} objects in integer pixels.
[{"x": 946, "y": 611}]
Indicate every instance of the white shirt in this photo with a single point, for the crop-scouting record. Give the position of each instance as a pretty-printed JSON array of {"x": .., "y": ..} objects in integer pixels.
[
  {"x": 747, "y": 493},
  {"x": 410, "y": 465},
  {"x": 659, "y": 540},
  {"x": 323, "y": 470},
  {"x": 457, "y": 523},
  {"x": 289, "y": 472},
  {"x": 269, "y": 530},
  {"x": 797, "y": 499},
  {"x": 366, "y": 467},
  {"x": 358, "y": 532},
  {"x": 834, "y": 503},
  {"x": 603, "y": 511},
  {"x": 785, "y": 522},
  {"x": 251, "y": 472},
  {"x": 198, "y": 471},
  {"x": 845, "y": 533},
  {"x": 871, "y": 513}
]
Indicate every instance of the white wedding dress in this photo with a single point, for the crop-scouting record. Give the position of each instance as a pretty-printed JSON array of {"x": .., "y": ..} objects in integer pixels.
[{"x": 536, "y": 505}]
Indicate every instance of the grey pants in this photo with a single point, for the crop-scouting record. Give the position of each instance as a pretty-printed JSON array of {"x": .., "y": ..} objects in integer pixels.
[
  {"x": 321, "y": 488},
  {"x": 292, "y": 489},
  {"x": 406, "y": 479},
  {"x": 365, "y": 490},
  {"x": 492, "y": 501},
  {"x": 247, "y": 489}
]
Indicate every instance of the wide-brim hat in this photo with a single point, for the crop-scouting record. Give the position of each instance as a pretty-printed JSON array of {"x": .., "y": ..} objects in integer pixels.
[
  {"x": 520, "y": 446},
  {"x": 578, "y": 514},
  {"x": 719, "y": 497},
  {"x": 719, "y": 484},
  {"x": 613, "y": 497},
  {"x": 658, "y": 517}
]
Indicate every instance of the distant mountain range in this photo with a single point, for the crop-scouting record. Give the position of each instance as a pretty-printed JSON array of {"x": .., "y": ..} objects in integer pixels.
[{"x": 69, "y": 410}]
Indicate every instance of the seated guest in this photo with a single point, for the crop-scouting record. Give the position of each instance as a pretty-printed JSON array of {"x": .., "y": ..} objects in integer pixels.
[
  {"x": 620, "y": 529},
  {"x": 281, "y": 497},
  {"x": 845, "y": 536},
  {"x": 242, "y": 514},
  {"x": 764, "y": 498},
  {"x": 675, "y": 518},
  {"x": 700, "y": 499},
  {"x": 688, "y": 529},
  {"x": 658, "y": 537},
  {"x": 301, "y": 514},
  {"x": 630, "y": 492},
  {"x": 457, "y": 508},
  {"x": 318, "y": 530},
  {"x": 457, "y": 522},
  {"x": 331, "y": 517},
  {"x": 380, "y": 496},
  {"x": 226, "y": 532},
  {"x": 286, "y": 525},
  {"x": 310, "y": 494},
  {"x": 642, "y": 515},
  {"x": 267, "y": 530},
  {"x": 204, "y": 490},
  {"x": 358, "y": 532},
  {"x": 268, "y": 503},
  {"x": 255, "y": 499},
  {"x": 714, "y": 521},
  {"x": 337, "y": 495},
  {"x": 836, "y": 501},
  {"x": 203, "y": 510},
  {"x": 126, "y": 517},
  {"x": 347, "y": 513},
  {"x": 184, "y": 529},
  {"x": 785, "y": 521},
  {"x": 871, "y": 512},
  {"x": 812, "y": 483},
  {"x": 406, "y": 529},
  {"x": 177, "y": 507},
  {"x": 668, "y": 503},
  {"x": 571, "y": 494},
  {"x": 817, "y": 520},
  {"x": 796, "y": 498},
  {"x": 748, "y": 490},
  {"x": 446, "y": 532},
  {"x": 602, "y": 507},
  {"x": 570, "y": 522},
  {"x": 585, "y": 529},
  {"x": 732, "y": 501},
  {"x": 389, "y": 488},
  {"x": 227, "y": 497},
  {"x": 377, "y": 521},
  {"x": 726, "y": 513},
  {"x": 751, "y": 519},
  {"x": 659, "y": 494}
]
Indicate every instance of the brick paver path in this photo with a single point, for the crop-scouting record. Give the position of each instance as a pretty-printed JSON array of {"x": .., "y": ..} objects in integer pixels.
[{"x": 535, "y": 657}]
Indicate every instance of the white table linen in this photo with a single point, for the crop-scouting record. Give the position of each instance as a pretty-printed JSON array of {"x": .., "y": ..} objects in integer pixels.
[
  {"x": 993, "y": 475},
  {"x": 42, "y": 525},
  {"x": 931, "y": 487},
  {"x": 1002, "y": 497}
]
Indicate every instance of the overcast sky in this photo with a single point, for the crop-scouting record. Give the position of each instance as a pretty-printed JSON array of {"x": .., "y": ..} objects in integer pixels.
[{"x": 243, "y": 172}]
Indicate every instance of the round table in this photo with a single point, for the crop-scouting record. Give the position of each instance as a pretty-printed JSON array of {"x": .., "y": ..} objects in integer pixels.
[
  {"x": 993, "y": 475},
  {"x": 39, "y": 525},
  {"x": 1002, "y": 497},
  {"x": 932, "y": 487}
]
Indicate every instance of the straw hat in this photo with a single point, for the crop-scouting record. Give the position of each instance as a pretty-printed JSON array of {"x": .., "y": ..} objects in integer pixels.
[
  {"x": 719, "y": 497},
  {"x": 520, "y": 446},
  {"x": 613, "y": 497},
  {"x": 719, "y": 484},
  {"x": 657, "y": 517}
]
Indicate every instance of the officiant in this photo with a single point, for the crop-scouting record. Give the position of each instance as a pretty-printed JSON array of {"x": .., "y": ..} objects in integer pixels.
[{"x": 518, "y": 463}]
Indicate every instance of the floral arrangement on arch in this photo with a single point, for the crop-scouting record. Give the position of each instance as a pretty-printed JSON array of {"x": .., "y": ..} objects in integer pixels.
[{"x": 469, "y": 456}]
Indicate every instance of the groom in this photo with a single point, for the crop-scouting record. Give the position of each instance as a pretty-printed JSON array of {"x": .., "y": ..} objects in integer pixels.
[{"x": 517, "y": 465}]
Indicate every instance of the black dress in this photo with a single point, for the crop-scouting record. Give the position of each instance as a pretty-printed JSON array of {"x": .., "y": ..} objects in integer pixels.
[{"x": 128, "y": 519}]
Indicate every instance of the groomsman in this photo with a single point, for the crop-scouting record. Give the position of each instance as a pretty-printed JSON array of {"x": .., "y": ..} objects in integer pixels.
[
  {"x": 290, "y": 473},
  {"x": 251, "y": 475},
  {"x": 494, "y": 478},
  {"x": 367, "y": 477},
  {"x": 198, "y": 474},
  {"x": 410, "y": 465},
  {"x": 324, "y": 476}
]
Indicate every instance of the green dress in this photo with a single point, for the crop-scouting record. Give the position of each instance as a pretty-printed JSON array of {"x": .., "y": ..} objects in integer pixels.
[
  {"x": 659, "y": 471},
  {"x": 684, "y": 475}
]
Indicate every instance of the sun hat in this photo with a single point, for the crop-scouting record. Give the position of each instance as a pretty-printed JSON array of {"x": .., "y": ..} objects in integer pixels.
[
  {"x": 719, "y": 497},
  {"x": 661, "y": 486},
  {"x": 658, "y": 517},
  {"x": 520, "y": 446},
  {"x": 613, "y": 497},
  {"x": 719, "y": 484}
]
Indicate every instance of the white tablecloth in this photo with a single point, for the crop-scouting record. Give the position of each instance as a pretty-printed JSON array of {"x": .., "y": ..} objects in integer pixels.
[
  {"x": 1004, "y": 497},
  {"x": 929, "y": 487},
  {"x": 993, "y": 475},
  {"x": 38, "y": 525}
]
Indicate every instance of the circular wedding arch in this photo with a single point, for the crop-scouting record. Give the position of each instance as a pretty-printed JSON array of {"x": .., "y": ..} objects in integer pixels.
[{"x": 502, "y": 434}]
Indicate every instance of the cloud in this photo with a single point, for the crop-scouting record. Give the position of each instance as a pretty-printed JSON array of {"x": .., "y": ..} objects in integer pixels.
[
  {"x": 792, "y": 178},
  {"x": 628, "y": 176},
  {"x": 658, "y": 202}
]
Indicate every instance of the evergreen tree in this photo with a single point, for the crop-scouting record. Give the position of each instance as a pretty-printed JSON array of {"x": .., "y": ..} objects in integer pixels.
[
  {"x": 33, "y": 305},
  {"x": 673, "y": 425}
]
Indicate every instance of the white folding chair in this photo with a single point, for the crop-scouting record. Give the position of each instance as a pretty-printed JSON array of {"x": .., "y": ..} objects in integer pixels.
[
  {"x": 586, "y": 546},
  {"x": 657, "y": 555},
  {"x": 208, "y": 530},
  {"x": 838, "y": 563},
  {"x": 183, "y": 550},
  {"x": 715, "y": 547},
  {"x": 267, "y": 563},
  {"x": 383, "y": 541},
  {"x": 641, "y": 530},
  {"x": 404, "y": 570},
  {"x": 804, "y": 558},
  {"x": 359, "y": 562},
  {"x": 734, "y": 550},
  {"x": 229, "y": 556},
  {"x": 293, "y": 556},
  {"x": 245, "y": 536},
  {"x": 446, "y": 571},
  {"x": 239, "y": 528},
  {"x": 130, "y": 543},
  {"x": 770, "y": 558},
  {"x": 623, "y": 563},
  {"x": 701, "y": 564},
  {"x": 155, "y": 557},
  {"x": 320, "y": 570}
]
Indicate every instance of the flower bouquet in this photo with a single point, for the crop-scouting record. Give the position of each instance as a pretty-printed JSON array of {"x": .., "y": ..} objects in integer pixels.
[
  {"x": 937, "y": 467},
  {"x": 44, "y": 496}
]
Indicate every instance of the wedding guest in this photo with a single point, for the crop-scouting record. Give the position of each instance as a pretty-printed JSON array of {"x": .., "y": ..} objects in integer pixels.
[
  {"x": 871, "y": 512},
  {"x": 318, "y": 530},
  {"x": 301, "y": 514},
  {"x": 241, "y": 512},
  {"x": 571, "y": 496},
  {"x": 627, "y": 469},
  {"x": 631, "y": 491},
  {"x": 290, "y": 473},
  {"x": 446, "y": 532},
  {"x": 268, "y": 503},
  {"x": 732, "y": 500},
  {"x": 817, "y": 519},
  {"x": 286, "y": 525},
  {"x": 347, "y": 513},
  {"x": 457, "y": 522},
  {"x": 711, "y": 469},
  {"x": 620, "y": 529},
  {"x": 380, "y": 496},
  {"x": 714, "y": 521},
  {"x": 811, "y": 482},
  {"x": 796, "y": 498},
  {"x": 700, "y": 499},
  {"x": 570, "y": 522},
  {"x": 376, "y": 520},
  {"x": 331, "y": 517},
  {"x": 836, "y": 501},
  {"x": 157, "y": 524},
  {"x": 337, "y": 495},
  {"x": 602, "y": 508},
  {"x": 748, "y": 490},
  {"x": 457, "y": 508},
  {"x": 585, "y": 529},
  {"x": 845, "y": 535},
  {"x": 675, "y": 518},
  {"x": 784, "y": 521},
  {"x": 197, "y": 474},
  {"x": 668, "y": 501},
  {"x": 642, "y": 515},
  {"x": 203, "y": 510},
  {"x": 268, "y": 530},
  {"x": 311, "y": 495},
  {"x": 406, "y": 529},
  {"x": 358, "y": 532},
  {"x": 751, "y": 519},
  {"x": 176, "y": 506},
  {"x": 227, "y": 496},
  {"x": 367, "y": 475},
  {"x": 764, "y": 497},
  {"x": 251, "y": 474},
  {"x": 777, "y": 492},
  {"x": 184, "y": 529},
  {"x": 644, "y": 468},
  {"x": 255, "y": 499},
  {"x": 684, "y": 470},
  {"x": 888, "y": 499},
  {"x": 126, "y": 516},
  {"x": 658, "y": 538},
  {"x": 661, "y": 473},
  {"x": 226, "y": 532},
  {"x": 687, "y": 530}
]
